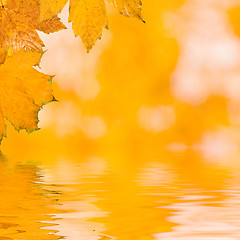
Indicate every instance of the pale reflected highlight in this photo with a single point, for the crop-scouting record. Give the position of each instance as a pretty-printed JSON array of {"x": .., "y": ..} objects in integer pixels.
[
  {"x": 196, "y": 219},
  {"x": 78, "y": 203}
]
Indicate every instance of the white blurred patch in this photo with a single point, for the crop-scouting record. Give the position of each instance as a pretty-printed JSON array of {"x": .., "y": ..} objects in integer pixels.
[
  {"x": 156, "y": 119},
  {"x": 209, "y": 61},
  {"x": 218, "y": 145},
  {"x": 93, "y": 127},
  {"x": 67, "y": 119}
]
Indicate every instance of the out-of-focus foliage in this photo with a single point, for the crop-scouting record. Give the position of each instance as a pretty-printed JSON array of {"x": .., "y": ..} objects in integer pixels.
[{"x": 234, "y": 17}]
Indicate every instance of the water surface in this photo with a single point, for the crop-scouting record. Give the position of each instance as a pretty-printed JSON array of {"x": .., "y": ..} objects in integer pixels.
[{"x": 97, "y": 198}]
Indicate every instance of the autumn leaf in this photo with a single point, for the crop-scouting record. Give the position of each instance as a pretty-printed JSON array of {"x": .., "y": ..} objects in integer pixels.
[
  {"x": 19, "y": 20},
  {"x": 51, "y": 26},
  {"x": 23, "y": 91},
  {"x": 129, "y": 8},
  {"x": 50, "y": 9},
  {"x": 89, "y": 17}
]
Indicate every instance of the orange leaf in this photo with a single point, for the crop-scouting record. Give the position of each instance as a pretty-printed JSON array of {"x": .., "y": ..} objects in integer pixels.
[
  {"x": 23, "y": 91},
  {"x": 19, "y": 20},
  {"x": 89, "y": 17}
]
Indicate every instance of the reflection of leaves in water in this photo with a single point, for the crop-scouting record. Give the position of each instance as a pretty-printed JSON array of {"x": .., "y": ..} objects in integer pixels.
[
  {"x": 24, "y": 204},
  {"x": 104, "y": 237},
  {"x": 7, "y": 225}
]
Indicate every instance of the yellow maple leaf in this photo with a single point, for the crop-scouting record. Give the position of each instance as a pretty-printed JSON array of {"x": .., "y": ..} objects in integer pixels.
[
  {"x": 89, "y": 17},
  {"x": 23, "y": 91},
  {"x": 19, "y": 20},
  {"x": 50, "y": 9},
  {"x": 129, "y": 8},
  {"x": 51, "y": 25}
]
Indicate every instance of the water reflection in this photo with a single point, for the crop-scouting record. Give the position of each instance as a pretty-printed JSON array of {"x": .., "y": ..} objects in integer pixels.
[
  {"x": 25, "y": 203},
  {"x": 162, "y": 198},
  {"x": 98, "y": 198}
]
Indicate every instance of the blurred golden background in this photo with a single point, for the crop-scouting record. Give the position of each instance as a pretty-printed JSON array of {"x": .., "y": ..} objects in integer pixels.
[
  {"x": 145, "y": 138},
  {"x": 172, "y": 82}
]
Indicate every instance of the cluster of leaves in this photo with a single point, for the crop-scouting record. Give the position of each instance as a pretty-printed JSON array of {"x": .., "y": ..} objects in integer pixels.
[{"x": 23, "y": 89}]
